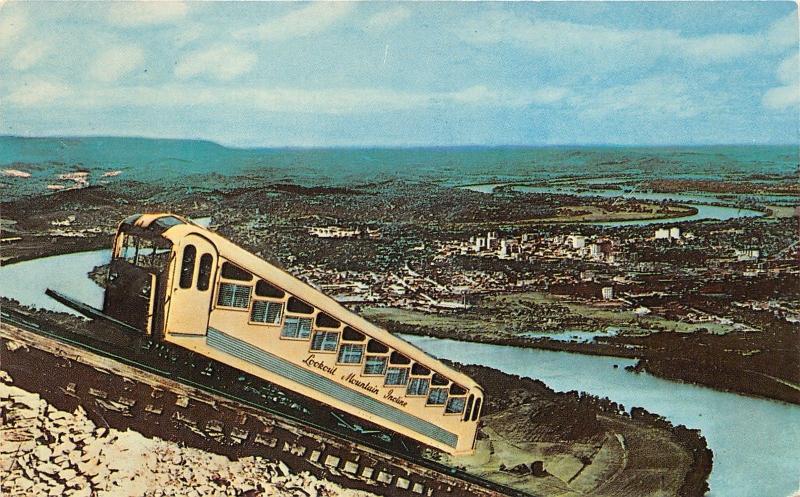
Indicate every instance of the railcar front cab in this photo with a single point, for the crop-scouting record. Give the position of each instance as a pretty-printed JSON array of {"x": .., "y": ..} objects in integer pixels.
[{"x": 140, "y": 261}]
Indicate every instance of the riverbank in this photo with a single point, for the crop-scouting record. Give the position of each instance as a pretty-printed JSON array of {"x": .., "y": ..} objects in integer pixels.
[
  {"x": 754, "y": 440},
  {"x": 666, "y": 355},
  {"x": 600, "y": 211},
  {"x": 535, "y": 438}
]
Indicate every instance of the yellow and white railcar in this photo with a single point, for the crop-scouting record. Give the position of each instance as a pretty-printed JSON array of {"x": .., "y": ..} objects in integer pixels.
[{"x": 184, "y": 284}]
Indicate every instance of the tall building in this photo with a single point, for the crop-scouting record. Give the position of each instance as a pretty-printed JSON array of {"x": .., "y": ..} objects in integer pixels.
[{"x": 577, "y": 241}]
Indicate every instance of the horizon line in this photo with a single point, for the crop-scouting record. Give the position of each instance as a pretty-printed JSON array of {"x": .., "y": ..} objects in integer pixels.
[{"x": 401, "y": 146}]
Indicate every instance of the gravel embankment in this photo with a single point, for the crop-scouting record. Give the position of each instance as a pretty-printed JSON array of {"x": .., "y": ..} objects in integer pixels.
[{"x": 44, "y": 451}]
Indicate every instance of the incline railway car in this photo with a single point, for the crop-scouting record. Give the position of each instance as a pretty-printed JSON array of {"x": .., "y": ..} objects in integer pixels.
[{"x": 186, "y": 285}]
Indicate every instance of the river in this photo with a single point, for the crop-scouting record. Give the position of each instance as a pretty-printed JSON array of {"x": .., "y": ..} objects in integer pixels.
[
  {"x": 755, "y": 441},
  {"x": 705, "y": 204}
]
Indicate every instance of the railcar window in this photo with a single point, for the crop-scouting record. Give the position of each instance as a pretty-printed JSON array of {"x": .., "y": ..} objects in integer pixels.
[
  {"x": 457, "y": 390},
  {"x": 298, "y": 306},
  {"x": 477, "y": 411},
  {"x": 264, "y": 289},
  {"x": 204, "y": 273},
  {"x": 352, "y": 335},
  {"x": 455, "y": 405},
  {"x": 396, "y": 376},
  {"x": 439, "y": 379},
  {"x": 418, "y": 386},
  {"x": 168, "y": 221},
  {"x": 398, "y": 358},
  {"x": 325, "y": 341},
  {"x": 351, "y": 353},
  {"x": 326, "y": 321},
  {"x": 266, "y": 312},
  {"x": 146, "y": 253},
  {"x": 469, "y": 407},
  {"x": 187, "y": 266},
  {"x": 375, "y": 365},
  {"x": 376, "y": 347},
  {"x": 294, "y": 327},
  {"x": 128, "y": 252},
  {"x": 232, "y": 295},
  {"x": 234, "y": 272},
  {"x": 419, "y": 370},
  {"x": 437, "y": 396}
]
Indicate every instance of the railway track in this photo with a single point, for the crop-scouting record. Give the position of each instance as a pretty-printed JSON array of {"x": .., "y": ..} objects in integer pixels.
[{"x": 162, "y": 397}]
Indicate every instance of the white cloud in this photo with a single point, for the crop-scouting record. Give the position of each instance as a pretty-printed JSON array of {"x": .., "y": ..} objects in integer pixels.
[
  {"x": 293, "y": 100},
  {"x": 29, "y": 55},
  {"x": 548, "y": 95},
  {"x": 481, "y": 95},
  {"x": 789, "y": 68},
  {"x": 784, "y": 31},
  {"x": 788, "y": 94},
  {"x": 662, "y": 97},
  {"x": 223, "y": 62},
  {"x": 36, "y": 93},
  {"x": 597, "y": 45},
  {"x": 115, "y": 62},
  {"x": 188, "y": 34},
  {"x": 305, "y": 21},
  {"x": 386, "y": 19},
  {"x": 12, "y": 25},
  {"x": 138, "y": 13},
  {"x": 782, "y": 97}
]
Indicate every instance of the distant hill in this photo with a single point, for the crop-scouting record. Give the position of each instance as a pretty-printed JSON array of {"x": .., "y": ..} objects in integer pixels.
[{"x": 147, "y": 159}]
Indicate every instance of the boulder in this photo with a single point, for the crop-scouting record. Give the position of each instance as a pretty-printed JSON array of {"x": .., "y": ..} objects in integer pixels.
[
  {"x": 78, "y": 482},
  {"x": 47, "y": 468},
  {"x": 67, "y": 474},
  {"x": 42, "y": 452},
  {"x": 57, "y": 490},
  {"x": 64, "y": 447},
  {"x": 23, "y": 483}
]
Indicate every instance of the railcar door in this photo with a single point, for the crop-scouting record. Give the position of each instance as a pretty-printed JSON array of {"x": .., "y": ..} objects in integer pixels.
[
  {"x": 192, "y": 284},
  {"x": 129, "y": 294},
  {"x": 134, "y": 276}
]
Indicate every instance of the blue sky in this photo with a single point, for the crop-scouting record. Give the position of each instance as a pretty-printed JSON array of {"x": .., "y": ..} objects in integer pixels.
[{"x": 381, "y": 73}]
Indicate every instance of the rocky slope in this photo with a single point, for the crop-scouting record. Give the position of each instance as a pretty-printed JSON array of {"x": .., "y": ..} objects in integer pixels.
[{"x": 44, "y": 451}]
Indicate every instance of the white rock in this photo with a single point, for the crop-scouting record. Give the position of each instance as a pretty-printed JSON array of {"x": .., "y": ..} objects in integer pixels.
[
  {"x": 89, "y": 468},
  {"x": 42, "y": 452},
  {"x": 23, "y": 483},
  {"x": 67, "y": 474},
  {"x": 78, "y": 482},
  {"x": 64, "y": 448},
  {"x": 56, "y": 415},
  {"x": 57, "y": 490},
  {"x": 47, "y": 468},
  {"x": 27, "y": 446}
]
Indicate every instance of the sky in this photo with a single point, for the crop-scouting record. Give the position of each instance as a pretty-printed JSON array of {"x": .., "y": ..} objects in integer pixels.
[{"x": 403, "y": 74}]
